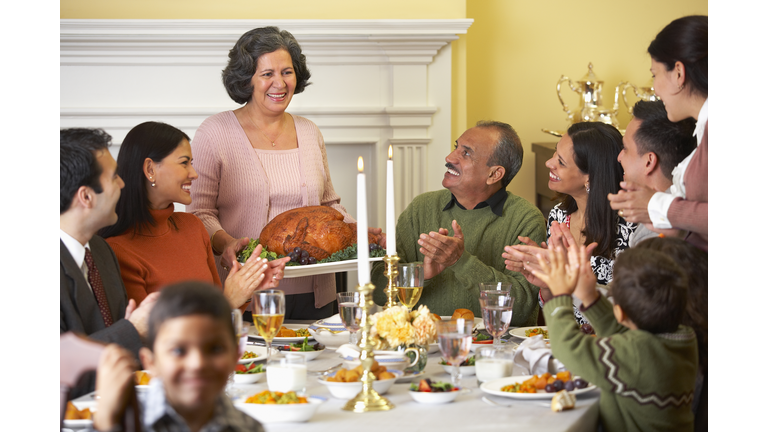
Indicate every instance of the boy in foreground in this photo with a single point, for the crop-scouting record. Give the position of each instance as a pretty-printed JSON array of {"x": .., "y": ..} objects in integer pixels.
[
  {"x": 192, "y": 350},
  {"x": 642, "y": 359}
]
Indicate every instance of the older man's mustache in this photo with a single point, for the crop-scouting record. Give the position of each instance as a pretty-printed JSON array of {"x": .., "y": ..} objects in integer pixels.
[{"x": 451, "y": 166}]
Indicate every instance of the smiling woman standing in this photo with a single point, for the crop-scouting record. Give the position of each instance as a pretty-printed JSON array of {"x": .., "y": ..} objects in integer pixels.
[
  {"x": 258, "y": 161},
  {"x": 156, "y": 246}
]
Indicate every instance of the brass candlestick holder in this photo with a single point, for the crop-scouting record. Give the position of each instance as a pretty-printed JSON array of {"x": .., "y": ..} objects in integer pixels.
[
  {"x": 368, "y": 399},
  {"x": 391, "y": 274}
]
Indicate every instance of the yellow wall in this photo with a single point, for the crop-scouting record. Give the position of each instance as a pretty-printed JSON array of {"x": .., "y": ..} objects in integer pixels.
[
  {"x": 517, "y": 50},
  {"x": 505, "y": 68}
]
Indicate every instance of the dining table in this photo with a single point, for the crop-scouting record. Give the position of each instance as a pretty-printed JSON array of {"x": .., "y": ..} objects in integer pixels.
[{"x": 472, "y": 410}]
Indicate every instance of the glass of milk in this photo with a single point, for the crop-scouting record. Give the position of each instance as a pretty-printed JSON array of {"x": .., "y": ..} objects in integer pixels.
[
  {"x": 493, "y": 363},
  {"x": 287, "y": 374}
]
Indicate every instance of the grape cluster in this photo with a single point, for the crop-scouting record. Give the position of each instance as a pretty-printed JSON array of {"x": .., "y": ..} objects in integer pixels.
[
  {"x": 299, "y": 255},
  {"x": 569, "y": 385},
  {"x": 373, "y": 247}
]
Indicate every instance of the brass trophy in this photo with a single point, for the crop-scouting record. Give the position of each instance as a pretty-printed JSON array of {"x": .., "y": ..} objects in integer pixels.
[
  {"x": 391, "y": 274},
  {"x": 646, "y": 93},
  {"x": 590, "y": 89},
  {"x": 368, "y": 399}
]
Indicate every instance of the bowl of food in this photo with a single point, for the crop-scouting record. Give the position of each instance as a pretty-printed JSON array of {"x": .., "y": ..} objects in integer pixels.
[
  {"x": 433, "y": 392},
  {"x": 254, "y": 353},
  {"x": 249, "y": 374},
  {"x": 305, "y": 349},
  {"x": 329, "y": 332},
  {"x": 345, "y": 383},
  {"x": 466, "y": 368},
  {"x": 277, "y": 407},
  {"x": 142, "y": 379}
]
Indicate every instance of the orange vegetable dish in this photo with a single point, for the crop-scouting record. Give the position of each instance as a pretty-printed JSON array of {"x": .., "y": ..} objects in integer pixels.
[
  {"x": 142, "y": 378},
  {"x": 73, "y": 413},
  {"x": 276, "y": 398},
  {"x": 537, "y": 382},
  {"x": 353, "y": 375}
]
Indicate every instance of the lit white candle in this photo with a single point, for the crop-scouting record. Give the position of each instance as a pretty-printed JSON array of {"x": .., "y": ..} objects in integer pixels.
[
  {"x": 391, "y": 239},
  {"x": 363, "y": 269}
]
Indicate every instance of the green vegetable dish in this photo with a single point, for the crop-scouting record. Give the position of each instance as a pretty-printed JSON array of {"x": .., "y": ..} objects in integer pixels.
[{"x": 342, "y": 255}]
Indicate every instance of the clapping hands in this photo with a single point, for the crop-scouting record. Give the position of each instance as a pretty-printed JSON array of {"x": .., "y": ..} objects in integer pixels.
[{"x": 569, "y": 273}]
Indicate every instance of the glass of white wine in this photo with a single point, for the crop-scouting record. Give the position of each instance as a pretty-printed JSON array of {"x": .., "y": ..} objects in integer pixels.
[
  {"x": 351, "y": 313},
  {"x": 410, "y": 283},
  {"x": 268, "y": 314},
  {"x": 455, "y": 340}
]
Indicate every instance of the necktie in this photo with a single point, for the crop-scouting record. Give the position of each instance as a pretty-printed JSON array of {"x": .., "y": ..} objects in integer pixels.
[{"x": 98, "y": 288}]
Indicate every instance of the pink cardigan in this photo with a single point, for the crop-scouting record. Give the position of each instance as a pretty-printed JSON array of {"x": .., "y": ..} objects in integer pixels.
[
  {"x": 691, "y": 214},
  {"x": 232, "y": 191}
]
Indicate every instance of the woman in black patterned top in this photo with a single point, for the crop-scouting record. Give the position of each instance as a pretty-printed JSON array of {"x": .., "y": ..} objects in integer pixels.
[{"x": 583, "y": 170}]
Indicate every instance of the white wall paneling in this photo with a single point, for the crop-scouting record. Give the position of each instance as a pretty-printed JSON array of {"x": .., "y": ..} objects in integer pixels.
[{"x": 374, "y": 83}]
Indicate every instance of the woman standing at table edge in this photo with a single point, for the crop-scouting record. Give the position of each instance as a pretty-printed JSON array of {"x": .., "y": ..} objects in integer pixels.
[
  {"x": 258, "y": 161},
  {"x": 156, "y": 246},
  {"x": 679, "y": 59}
]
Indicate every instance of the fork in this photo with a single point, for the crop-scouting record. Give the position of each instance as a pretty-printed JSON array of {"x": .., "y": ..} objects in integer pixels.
[{"x": 494, "y": 403}]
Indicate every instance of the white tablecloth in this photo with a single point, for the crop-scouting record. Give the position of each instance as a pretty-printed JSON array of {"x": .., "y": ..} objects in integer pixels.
[{"x": 467, "y": 413}]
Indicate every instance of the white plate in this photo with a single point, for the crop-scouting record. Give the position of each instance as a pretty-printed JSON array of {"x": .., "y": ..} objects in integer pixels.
[
  {"x": 409, "y": 376},
  {"x": 254, "y": 333},
  {"x": 280, "y": 413},
  {"x": 318, "y": 269},
  {"x": 478, "y": 322},
  {"x": 494, "y": 388},
  {"x": 348, "y": 390},
  {"x": 520, "y": 332},
  {"x": 308, "y": 355},
  {"x": 261, "y": 352},
  {"x": 78, "y": 424},
  {"x": 248, "y": 378}
]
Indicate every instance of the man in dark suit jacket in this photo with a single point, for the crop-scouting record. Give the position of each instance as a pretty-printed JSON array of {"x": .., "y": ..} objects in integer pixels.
[{"x": 90, "y": 188}]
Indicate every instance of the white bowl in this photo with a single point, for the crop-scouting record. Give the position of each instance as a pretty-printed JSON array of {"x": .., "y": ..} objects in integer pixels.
[
  {"x": 434, "y": 397},
  {"x": 280, "y": 413},
  {"x": 308, "y": 355},
  {"x": 329, "y": 339},
  {"x": 343, "y": 390},
  {"x": 248, "y": 378},
  {"x": 433, "y": 348},
  {"x": 465, "y": 370}
]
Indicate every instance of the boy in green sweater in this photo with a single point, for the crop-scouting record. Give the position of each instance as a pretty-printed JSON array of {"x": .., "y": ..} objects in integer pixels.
[{"x": 642, "y": 359}]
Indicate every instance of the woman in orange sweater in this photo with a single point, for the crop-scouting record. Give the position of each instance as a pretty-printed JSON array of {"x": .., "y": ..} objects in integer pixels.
[{"x": 156, "y": 246}]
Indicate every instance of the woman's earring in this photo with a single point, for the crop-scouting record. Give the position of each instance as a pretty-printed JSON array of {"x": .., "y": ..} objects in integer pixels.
[
  {"x": 587, "y": 186},
  {"x": 153, "y": 182}
]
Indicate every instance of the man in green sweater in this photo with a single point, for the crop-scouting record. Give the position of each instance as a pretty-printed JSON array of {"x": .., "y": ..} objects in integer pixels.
[
  {"x": 459, "y": 233},
  {"x": 642, "y": 359}
]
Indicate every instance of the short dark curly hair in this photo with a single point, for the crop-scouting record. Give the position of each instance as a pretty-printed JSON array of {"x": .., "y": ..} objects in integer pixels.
[{"x": 244, "y": 56}]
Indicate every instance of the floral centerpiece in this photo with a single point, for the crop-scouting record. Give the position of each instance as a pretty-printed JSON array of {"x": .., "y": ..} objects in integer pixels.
[{"x": 397, "y": 327}]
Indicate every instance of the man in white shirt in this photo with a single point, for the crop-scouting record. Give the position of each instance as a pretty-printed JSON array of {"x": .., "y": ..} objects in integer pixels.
[
  {"x": 653, "y": 147},
  {"x": 92, "y": 299}
]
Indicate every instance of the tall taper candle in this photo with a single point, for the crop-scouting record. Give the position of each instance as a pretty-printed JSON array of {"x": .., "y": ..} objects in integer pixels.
[
  {"x": 391, "y": 239},
  {"x": 363, "y": 269}
]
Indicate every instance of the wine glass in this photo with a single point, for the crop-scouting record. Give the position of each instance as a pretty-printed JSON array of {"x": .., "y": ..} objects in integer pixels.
[
  {"x": 350, "y": 313},
  {"x": 455, "y": 339},
  {"x": 410, "y": 283},
  {"x": 496, "y": 307},
  {"x": 268, "y": 314}
]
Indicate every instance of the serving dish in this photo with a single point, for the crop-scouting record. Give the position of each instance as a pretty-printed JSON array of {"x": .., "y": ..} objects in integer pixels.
[
  {"x": 520, "y": 332},
  {"x": 280, "y": 413},
  {"x": 254, "y": 333},
  {"x": 344, "y": 390},
  {"x": 261, "y": 354},
  {"x": 318, "y": 269},
  {"x": 434, "y": 397}
]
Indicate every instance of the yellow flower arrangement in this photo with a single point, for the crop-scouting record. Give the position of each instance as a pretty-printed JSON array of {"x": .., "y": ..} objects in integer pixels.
[{"x": 396, "y": 326}]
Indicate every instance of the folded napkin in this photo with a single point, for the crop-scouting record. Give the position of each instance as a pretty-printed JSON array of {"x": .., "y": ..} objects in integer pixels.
[{"x": 534, "y": 357}]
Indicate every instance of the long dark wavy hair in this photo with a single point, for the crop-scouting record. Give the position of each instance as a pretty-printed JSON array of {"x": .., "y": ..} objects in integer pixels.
[
  {"x": 595, "y": 149},
  {"x": 152, "y": 140}
]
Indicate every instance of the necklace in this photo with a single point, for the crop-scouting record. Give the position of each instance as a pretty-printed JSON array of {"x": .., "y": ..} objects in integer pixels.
[{"x": 262, "y": 132}]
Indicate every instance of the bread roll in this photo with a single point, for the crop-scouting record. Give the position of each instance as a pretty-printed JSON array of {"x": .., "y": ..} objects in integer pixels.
[
  {"x": 463, "y": 313},
  {"x": 562, "y": 401}
]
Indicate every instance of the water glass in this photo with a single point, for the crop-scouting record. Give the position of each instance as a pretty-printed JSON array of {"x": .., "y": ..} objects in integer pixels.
[
  {"x": 496, "y": 307},
  {"x": 287, "y": 374},
  {"x": 493, "y": 363},
  {"x": 351, "y": 313},
  {"x": 410, "y": 283},
  {"x": 495, "y": 286},
  {"x": 455, "y": 339}
]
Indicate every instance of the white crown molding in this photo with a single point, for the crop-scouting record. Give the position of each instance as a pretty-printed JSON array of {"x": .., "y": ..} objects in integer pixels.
[{"x": 207, "y": 42}]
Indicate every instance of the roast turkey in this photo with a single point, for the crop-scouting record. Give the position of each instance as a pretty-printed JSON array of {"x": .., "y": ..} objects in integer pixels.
[{"x": 319, "y": 230}]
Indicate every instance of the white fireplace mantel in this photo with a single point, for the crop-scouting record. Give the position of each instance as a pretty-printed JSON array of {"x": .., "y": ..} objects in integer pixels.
[{"x": 375, "y": 83}]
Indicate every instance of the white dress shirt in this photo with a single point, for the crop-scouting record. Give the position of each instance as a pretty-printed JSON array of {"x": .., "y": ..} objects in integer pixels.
[
  {"x": 77, "y": 250},
  {"x": 659, "y": 204}
]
